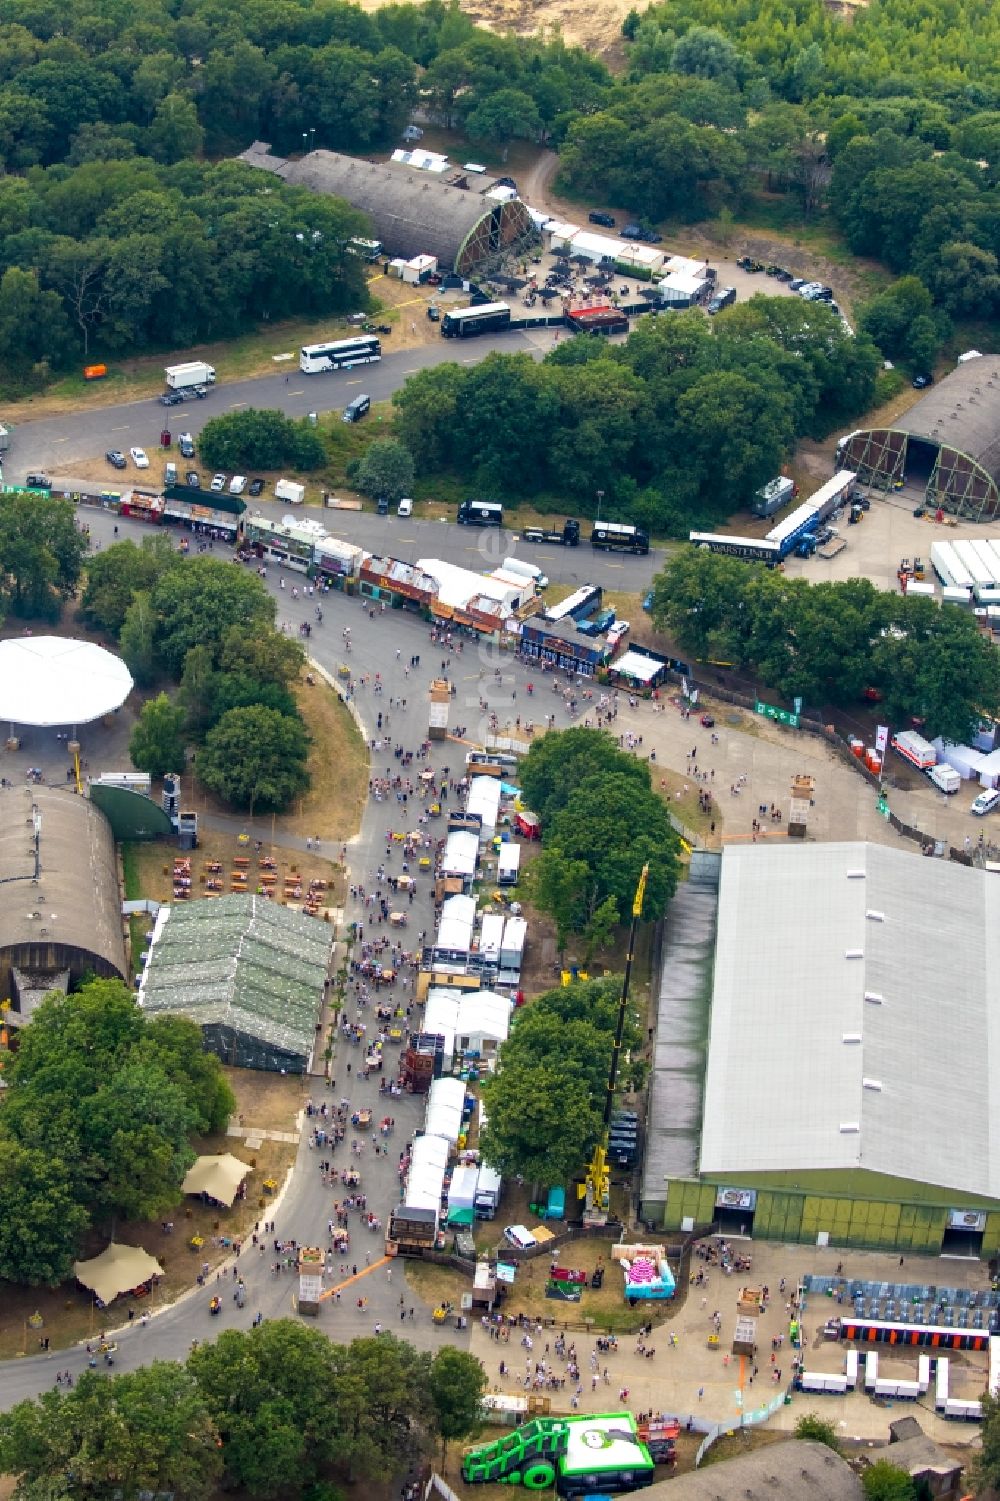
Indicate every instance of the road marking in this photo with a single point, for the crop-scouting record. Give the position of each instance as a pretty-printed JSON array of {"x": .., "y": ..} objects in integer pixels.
[
  {"x": 469, "y": 362},
  {"x": 412, "y": 370},
  {"x": 614, "y": 565},
  {"x": 298, "y": 393},
  {"x": 353, "y": 382},
  {"x": 234, "y": 404},
  {"x": 60, "y": 440},
  {"x": 120, "y": 429}
]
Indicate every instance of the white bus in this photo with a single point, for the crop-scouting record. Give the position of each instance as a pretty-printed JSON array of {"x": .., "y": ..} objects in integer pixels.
[{"x": 340, "y": 354}]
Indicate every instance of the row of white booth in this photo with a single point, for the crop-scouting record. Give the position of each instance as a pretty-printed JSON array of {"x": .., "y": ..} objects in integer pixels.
[
  {"x": 838, "y": 1383},
  {"x": 430, "y": 1154}
]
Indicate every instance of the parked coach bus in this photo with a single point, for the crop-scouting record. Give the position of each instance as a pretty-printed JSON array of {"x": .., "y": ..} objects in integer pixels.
[{"x": 340, "y": 354}]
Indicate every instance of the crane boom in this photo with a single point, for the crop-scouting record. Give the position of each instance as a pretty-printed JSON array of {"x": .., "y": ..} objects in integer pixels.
[{"x": 597, "y": 1183}]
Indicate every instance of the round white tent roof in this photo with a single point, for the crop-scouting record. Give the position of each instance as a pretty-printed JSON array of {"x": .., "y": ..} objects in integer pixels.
[{"x": 47, "y": 680}]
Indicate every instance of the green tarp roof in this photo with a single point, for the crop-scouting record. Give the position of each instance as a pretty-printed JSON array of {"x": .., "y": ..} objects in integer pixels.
[{"x": 240, "y": 961}]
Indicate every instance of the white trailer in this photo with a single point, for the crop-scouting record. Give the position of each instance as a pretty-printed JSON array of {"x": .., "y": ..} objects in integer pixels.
[
  {"x": 982, "y": 577},
  {"x": 194, "y": 373},
  {"x": 508, "y": 864},
  {"x": 949, "y": 567},
  {"x": 488, "y": 1191},
  {"x": 988, "y": 558}
]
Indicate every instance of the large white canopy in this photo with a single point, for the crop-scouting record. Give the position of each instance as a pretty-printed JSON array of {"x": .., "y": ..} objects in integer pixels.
[{"x": 47, "y": 680}]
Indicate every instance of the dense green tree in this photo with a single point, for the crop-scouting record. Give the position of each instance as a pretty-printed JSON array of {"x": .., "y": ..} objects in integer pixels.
[
  {"x": 41, "y": 554},
  {"x": 158, "y": 743},
  {"x": 118, "y": 573},
  {"x": 260, "y": 439},
  {"x": 557, "y": 763},
  {"x": 144, "y": 1431},
  {"x": 828, "y": 642},
  {"x": 134, "y": 1142},
  {"x": 504, "y": 115},
  {"x": 255, "y": 758},
  {"x": 385, "y": 470},
  {"x": 41, "y": 1221},
  {"x": 884, "y": 1481},
  {"x": 177, "y": 1048},
  {"x": 137, "y": 639},
  {"x": 199, "y": 604},
  {"x": 901, "y": 322},
  {"x": 540, "y": 1125},
  {"x": 457, "y": 1385},
  {"x": 35, "y": 336}
]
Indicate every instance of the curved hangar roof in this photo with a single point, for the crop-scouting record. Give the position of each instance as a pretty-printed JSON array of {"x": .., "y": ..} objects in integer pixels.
[
  {"x": 957, "y": 424},
  {"x": 413, "y": 213},
  {"x": 47, "y": 680}
]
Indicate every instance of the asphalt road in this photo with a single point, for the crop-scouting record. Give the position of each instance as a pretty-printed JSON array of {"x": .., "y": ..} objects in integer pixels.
[
  {"x": 53, "y": 443},
  {"x": 306, "y": 1206}
]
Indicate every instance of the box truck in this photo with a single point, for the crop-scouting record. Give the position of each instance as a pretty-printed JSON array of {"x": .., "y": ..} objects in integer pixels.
[
  {"x": 945, "y": 777},
  {"x": 915, "y": 749},
  {"x": 287, "y": 489},
  {"x": 195, "y": 373},
  {"x": 488, "y": 1191}
]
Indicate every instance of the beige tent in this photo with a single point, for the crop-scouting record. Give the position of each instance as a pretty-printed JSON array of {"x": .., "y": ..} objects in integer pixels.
[
  {"x": 219, "y": 1177},
  {"x": 117, "y": 1270}
]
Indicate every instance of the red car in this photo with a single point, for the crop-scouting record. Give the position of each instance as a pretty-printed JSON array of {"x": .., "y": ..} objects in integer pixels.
[{"x": 707, "y": 721}]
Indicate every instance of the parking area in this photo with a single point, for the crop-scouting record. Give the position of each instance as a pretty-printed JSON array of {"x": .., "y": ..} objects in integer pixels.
[{"x": 888, "y": 533}]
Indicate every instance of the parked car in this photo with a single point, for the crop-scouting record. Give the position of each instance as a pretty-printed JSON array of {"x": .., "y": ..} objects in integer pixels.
[
  {"x": 630, "y": 232},
  {"x": 519, "y": 1236},
  {"x": 116, "y": 458},
  {"x": 139, "y": 458},
  {"x": 707, "y": 722},
  {"x": 186, "y": 445},
  {"x": 607, "y": 221},
  {"x": 617, "y": 631},
  {"x": 782, "y": 275},
  {"x": 237, "y": 484},
  {"x": 200, "y": 391},
  {"x": 172, "y": 398},
  {"x": 796, "y": 284},
  {"x": 218, "y": 482},
  {"x": 193, "y": 478},
  {"x": 649, "y": 235},
  {"x": 434, "y": 314},
  {"x": 255, "y": 487},
  {"x": 985, "y": 802},
  {"x": 405, "y": 507},
  {"x": 921, "y": 382}
]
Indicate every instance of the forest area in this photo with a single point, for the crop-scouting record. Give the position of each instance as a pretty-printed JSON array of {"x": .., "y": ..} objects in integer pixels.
[{"x": 126, "y": 226}]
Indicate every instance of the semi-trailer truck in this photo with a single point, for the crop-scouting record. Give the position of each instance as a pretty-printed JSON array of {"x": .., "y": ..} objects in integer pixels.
[
  {"x": 194, "y": 373},
  {"x": 569, "y": 536}
]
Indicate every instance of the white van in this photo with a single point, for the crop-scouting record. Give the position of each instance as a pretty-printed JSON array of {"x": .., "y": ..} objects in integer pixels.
[
  {"x": 516, "y": 568},
  {"x": 405, "y": 507},
  {"x": 985, "y": 802}
]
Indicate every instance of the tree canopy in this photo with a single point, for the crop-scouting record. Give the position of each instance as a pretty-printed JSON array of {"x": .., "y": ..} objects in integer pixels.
[
  {"x": 41, "y": 554},
  {"x": 545, "y": 1101},
  {"x": 271, "y": 1411},
  {"x": 827, "y": 643},
  {"x": 260, "y": 439},
  {"x": 683, "y": 422},
  {"x": 98, "y": 1112},
  {"x": 601, "y": 823}
]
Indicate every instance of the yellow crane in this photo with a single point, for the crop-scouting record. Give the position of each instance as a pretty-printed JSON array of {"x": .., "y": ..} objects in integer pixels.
[{"x": 596, "y": 1185}]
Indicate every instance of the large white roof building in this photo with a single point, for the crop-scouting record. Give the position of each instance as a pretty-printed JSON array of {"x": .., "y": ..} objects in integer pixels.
[{"x": 852, "y": 1065}]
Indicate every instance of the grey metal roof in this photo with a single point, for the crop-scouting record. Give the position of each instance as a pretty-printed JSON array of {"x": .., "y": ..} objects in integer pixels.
[
  {"x": 962, "y": 411},
  {"x": 74, "y": 903},
  {"x": 788, "y": 1471},
  {"x": 243, "y": 962},
  {"x": 853, "y": 1017},
  {"x": 413, "y": 213}
]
